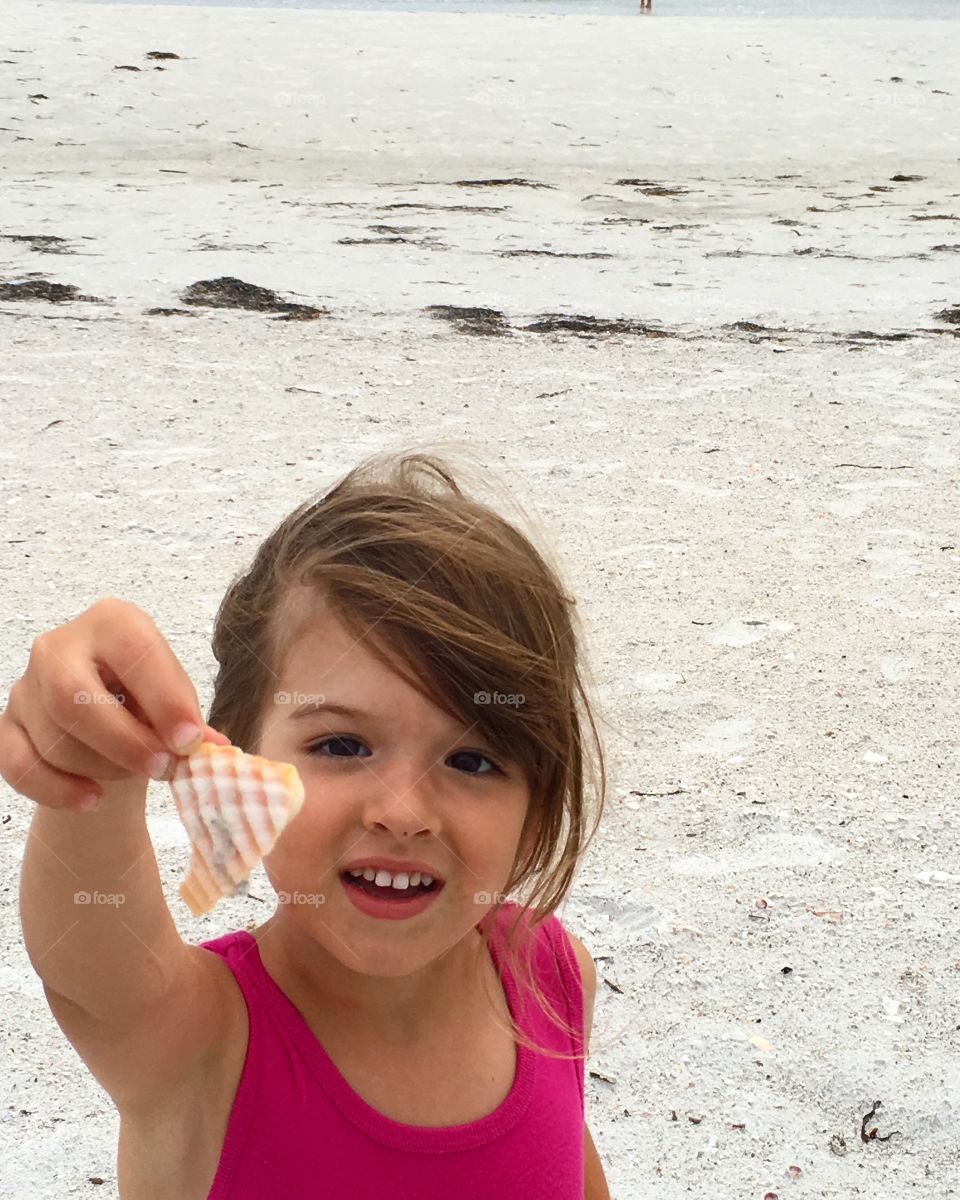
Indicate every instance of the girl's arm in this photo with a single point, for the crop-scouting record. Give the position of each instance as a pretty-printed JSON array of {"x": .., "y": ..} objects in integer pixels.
[
  {"x": 140, "y": 1006},
  {"x": 95, "y": 922},
  {"x": 594, "y": 1180}
]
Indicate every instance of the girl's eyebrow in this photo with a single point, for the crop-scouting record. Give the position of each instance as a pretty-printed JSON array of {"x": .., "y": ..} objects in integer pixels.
[
  {"x": 344, "y": 710},
  {"x": 341, "y": 710}
]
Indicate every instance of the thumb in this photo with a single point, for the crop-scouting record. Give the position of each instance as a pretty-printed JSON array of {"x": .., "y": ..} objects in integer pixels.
[{"x": 212, "y": 735}]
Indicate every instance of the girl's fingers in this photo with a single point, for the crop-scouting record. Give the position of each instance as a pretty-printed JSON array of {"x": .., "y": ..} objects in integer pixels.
[
  {"x": 26, "y": 771},
  {"x": 209, "y": 735},
  {"x": 81, "y": 706},
  {"x": 212, "y": 735},
  {"x": 106, "y": 695},
  {"x": 139, "y": 662},
  {"x": 59, "y": 748},
  {"x": 62, "y": 751}
]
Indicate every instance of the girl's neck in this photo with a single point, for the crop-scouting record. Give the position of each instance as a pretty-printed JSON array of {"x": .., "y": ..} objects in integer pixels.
[{"x": 398, "y": 1010}]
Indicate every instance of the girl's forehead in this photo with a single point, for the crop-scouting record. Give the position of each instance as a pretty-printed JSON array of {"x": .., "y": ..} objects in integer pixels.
[
  {"x": 314, "y": 642},
  {"x": 324, "y": 660},
  {"x": 320, "y": 644},
  {"x": 304, "y": 623}
]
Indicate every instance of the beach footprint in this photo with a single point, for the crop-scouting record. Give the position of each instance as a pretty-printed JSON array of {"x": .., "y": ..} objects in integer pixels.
[
  {"x": 642, "y": 682},
  {"x": 744, "y": 631},
  {"x": 723, "y": 738},
  {"x": 895, "y": 669},
  {"x": 888, "y": 562}
]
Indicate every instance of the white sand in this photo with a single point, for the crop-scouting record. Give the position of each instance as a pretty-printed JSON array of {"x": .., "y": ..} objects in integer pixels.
[{"x": 773, "y": 632}]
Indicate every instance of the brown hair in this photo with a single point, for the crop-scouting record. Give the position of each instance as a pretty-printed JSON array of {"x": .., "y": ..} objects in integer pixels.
[{"x": 462, "y": 603}]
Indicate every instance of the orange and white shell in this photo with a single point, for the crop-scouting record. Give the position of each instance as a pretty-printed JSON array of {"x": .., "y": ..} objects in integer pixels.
[{"x": 233, "y": 806}]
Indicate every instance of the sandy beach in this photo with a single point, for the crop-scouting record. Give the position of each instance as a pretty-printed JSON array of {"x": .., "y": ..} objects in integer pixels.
[{"x": 692, "y": 289}]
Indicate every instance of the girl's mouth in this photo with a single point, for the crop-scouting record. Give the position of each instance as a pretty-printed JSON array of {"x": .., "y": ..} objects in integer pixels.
[{"x": 389, "y": 902}]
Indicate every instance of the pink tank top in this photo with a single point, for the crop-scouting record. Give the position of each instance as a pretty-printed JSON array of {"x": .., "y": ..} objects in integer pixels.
[{"x": 298, "y": 1131}]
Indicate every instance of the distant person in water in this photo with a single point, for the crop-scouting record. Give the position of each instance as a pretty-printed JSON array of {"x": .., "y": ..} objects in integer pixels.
[{"x": 646, "y": 4}]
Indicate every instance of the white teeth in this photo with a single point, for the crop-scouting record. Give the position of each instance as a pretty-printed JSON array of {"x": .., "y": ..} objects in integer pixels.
[{"x": 401, "y": 881}]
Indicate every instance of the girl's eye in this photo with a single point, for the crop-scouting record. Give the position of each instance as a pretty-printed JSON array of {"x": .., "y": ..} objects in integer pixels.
[
  {"x": 340, "y": 747},
  {"x": 333, "y": 741},
  {"x": 494, "y": 769}
]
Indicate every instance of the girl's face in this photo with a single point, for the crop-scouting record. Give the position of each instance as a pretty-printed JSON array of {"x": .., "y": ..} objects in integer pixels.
[{"x": 397, "y": 778}]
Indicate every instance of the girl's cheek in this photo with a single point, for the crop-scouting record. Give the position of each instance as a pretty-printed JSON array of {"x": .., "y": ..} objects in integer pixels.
[{"x": 305, "y": 848}]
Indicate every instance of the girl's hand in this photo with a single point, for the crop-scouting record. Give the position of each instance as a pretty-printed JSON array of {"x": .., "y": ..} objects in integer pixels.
[{"x": 103, "y": 697}]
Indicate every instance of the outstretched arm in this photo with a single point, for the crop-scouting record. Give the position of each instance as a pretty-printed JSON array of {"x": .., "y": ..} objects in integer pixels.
[{"x": 594, "y": 1180}]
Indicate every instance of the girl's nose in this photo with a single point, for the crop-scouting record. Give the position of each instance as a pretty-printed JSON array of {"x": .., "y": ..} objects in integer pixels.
[{"x": 405, "y": 806}]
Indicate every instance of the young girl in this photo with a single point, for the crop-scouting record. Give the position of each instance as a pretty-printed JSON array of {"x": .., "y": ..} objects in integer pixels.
[{"x": 414, "y": 656}]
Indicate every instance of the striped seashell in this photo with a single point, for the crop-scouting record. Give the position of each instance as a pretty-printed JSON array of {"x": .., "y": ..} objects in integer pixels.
[{"x": 233, "y": 806}]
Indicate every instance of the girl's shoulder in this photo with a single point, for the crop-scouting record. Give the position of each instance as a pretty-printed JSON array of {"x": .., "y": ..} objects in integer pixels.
[
  {"x": 555, "y": 941},
  {"x": 578, "y": 970},
  {"x": 563, "y": 961},
  {"x": 224, "y": 942},
  {"x": 549, "y": 931}
]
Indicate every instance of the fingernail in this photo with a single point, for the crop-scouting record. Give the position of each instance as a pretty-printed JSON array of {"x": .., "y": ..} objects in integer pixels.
[
  {"x": 184, "y": 736},
  {"x": 158, "y": 765},
  {"x": 89, "y": 802}
]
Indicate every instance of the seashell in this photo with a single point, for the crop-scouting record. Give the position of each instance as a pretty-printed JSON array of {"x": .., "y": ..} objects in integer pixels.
[{"x": 233, "y": 806}]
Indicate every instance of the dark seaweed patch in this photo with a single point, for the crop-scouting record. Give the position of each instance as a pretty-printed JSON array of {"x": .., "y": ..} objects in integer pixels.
[
  {"x": 230, "y": 292},
  {"x": 376, "y": 241},
  {"x": 551, "y": 254},
  {"x": 43, "y": 289},
  {"x": 750, "y": 327},
  {"x": 867, "y": 335},
  {"x": 598, "y": 326},
  {"x": 221, "y": 246},
  {"x": 43, "y": 243},
  {"x": 488, "y": 322},
  {"x": 651, "y": 187},
  {"x": 467, "y": 208},
  {"x": 531, "y": 183}
]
